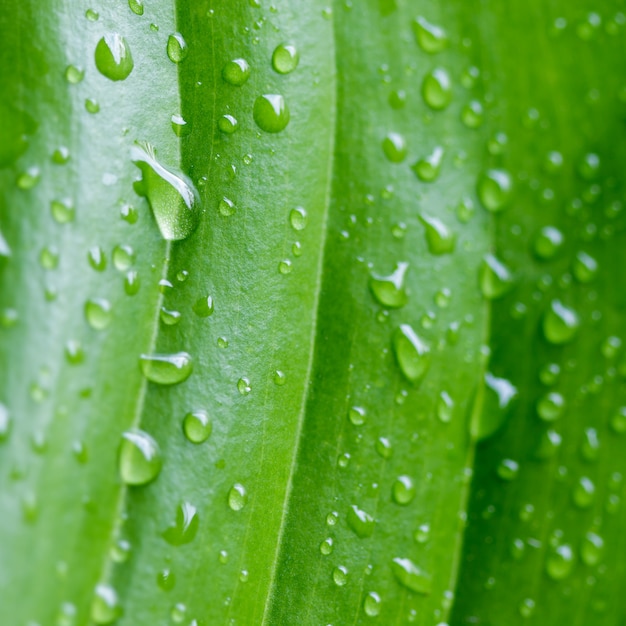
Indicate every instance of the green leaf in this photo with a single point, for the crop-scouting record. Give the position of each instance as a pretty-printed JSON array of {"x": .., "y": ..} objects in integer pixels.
[{"x": 267, "y": 275}]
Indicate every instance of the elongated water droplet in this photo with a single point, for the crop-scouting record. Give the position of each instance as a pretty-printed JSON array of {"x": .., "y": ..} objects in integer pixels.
[
  {"x": 185, "y": 527},
  {"x": 584, "y": 493},
  {"x": 560, "y": 323},
  {"x": 203, "y": 307},
  {"x": 440, "y": 239},
  {"x": 5, "y": 422},
  {"x": 437, "y": 89},
  {"x": 394, "y": 147},
  {"x": 584, "y": 267},
  {"x": 371, "y": 604},
  {"x": 560, "y": 561},
  {"x": 271, "y": 113},
  {"x": 172, "y": 196},
  {"x": 236, "y": 72},
  {"x": 499, "y": 395},
  {"x": 227, "y": 124},
  {"x": 139, "y": 458},
  {"x": 105, "y": 606},
  {"x": 403, "y": 490},
  {"x": 411, "y": 576},
  {"x": 412, "y": 353},
  {"x": 166, "y": 369},
  {"x": 548, "y": 242},
  {"x": 494, "y": 189},
  {"x": 360, "y": 522},
  {"x": 389, "y": 290},
  {"x": 495, "y": 278},
  {"x": 197, "y": 426},
  {"x": 237, "y": 497},
  {"x": 177, "y": 48},
  {"x": 549, "y": 443},
  {"x": 430, "y": 37},
  {"x": 5, "y": 251},
  {"x": 592, "y": 549},
  {"x": 285, "y": 58},
  {"x": 428, "y": 168},
  {"x": 340, "y": 575},
  {"x": 98, "y": 313},
  {"x": 113, "y": 57}
]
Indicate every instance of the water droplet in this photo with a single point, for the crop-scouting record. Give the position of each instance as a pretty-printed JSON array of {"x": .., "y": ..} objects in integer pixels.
[
  {"x": 113, "y": 57},
  {"x": 139, "y": 458},
  {"x": 495, "y": 278},
  {"x": 105, "y": 606},
  {"x": 5, "y": 422},
  {"x": 166, "y": 580},
  {"x": 560, "y": 323},
  {"x": 371, "y": 604},
  {"x": 403, "y": 490},
  {"x": 74, "y": 75},
  {"x": 120, "y": 551},
  {"x": 178, "y": 613},
  {"x": 180, "y": 126},
  {"x": 204, "y": 307},
  {"x": 28, "y": 179},
  {"x": 74, "y": 352},
  {"x": 549, "y": 443},
  {"x": 280, "y": 378},
  {"x": 472, "y": 114},
  {"x": 356, "y": 415},
  {"x": 360, "y": 522},
  {"x": 412, "y": 353},
  {"x": 136, "y": 6},
  {"x": 389, "y": 290},
  {"x": 285, "y": 58},
  {"x": 591, "y": 549},
  {"x": 437, "y": 89},
  {"x": 92, "y": 106},
  {"x": 411, "y": 576},
  {"x": 584, "y": 267},
  {"x": 584, "y": 493},
  {"x": 177, "y": 49},
  {"x": 394, "y": 147},
  {"x": 589, "y": 167},
  {"x": 166, "y": 369},
  {"x": 62, "y": 211},
  {"x": 185, "y": 527},
  {"x": 508, "y": 469},
  {"x": 494, "y": 189},
  {"x": 197, "y": 426},
  {"x": 237, "y": 497},
  {"x": 590, "y": 448},
  {"x": 326, "y": 547},
  {"x": 169, "y": 317},
  {"x": 548, "y": 242},
  {"x": 430, "y": 37},
  {"x": 445, "y": 407},
  {"x": 340, "y": 575},
  {"x": 236, "y": 72},
  {"x": 551, "y": 406},
  {"x": 428, "y": 168},
  {"x": 560, "y": 561},
  {"x": 91, "y": 15},
  {"x": 49, "y": 258},
  {"x": 422, "y": 534},
  {"x": 227, "y": 124},
  {"x": 500, "y": 394},
  {"x": 440, "y": 239},
  {"x": 384, "y": 448},
  {"x": 527, "y": 608},
  {"x": 618, "y": 421},
  {"x": 172, "y": 196},
  {"x": 123, "y": 257},
  {"x": 271, "y": 113},
  {"x": 98, "y": 313},
  {"x": 132, "y": 283}
]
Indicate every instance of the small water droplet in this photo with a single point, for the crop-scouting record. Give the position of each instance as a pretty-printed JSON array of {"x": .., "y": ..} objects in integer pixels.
[
  {"x": 236, "y": 72},
  {"x": 326, "y": 547},
  {"x": 271, "y": 113},
  {"x": 437, "y": 89},
  {"x": 105, "y": 606},
  {"x": 508, "y": 469},
  {"x": 28, "y": 179},
  {"x": 204, "y": 307},
  {"x": 360, "y": 522},
  {"x": 430, "y": 37},
  {"x": 169, "y": 317},
  {"x": 439, "y": 238},
  {"x": 394, "y": 147},
  {"x": 123, "y": 257},
  {"x": 560, "y": 323},
  {"x": 422, "y": 534},
  {"x": 584, "y": 267},
  {"x": 494, "y": 189},
  {"x": 98, "y": 313},
  {"x": 389, "y": 290},
  {"x": 549, "y": 443},
  {"x": 445, "y": 407},
  {"x": 495, "y": 278},
  {"x": 185, "y": 527},
  {"x": 618, "y": 421},
  {"x": 591, "y": 549},
  {"x": 237, "y": 497},
  {"x": 472, "y": 114},
  {"x": 357, "y": 415},
  {"x": 412, "y": 353},
  {"x": 132, "y": 283},
  {"x": 74, "y": 75},
  {"x": 384, "y": 448},
  {"x": 136, "y": 6},
  {"x": 285, "y": 58},
  {"x": 139, "y": 458},
  {"x": 371, "y": 604},
  {"x": 227, "y": 124},
  {"x": 166, "y": 369},
  {"x": 177, "y": 49},
  {"x": 243, "y": 386},
  {"x": 172, "y": 196},
  {"x": 197, "y": 426},
  {"x": 180, "y": 126},
  {"x": 166, "y": 580},
  {"x": 340, "y": 575},
  {"x": 590, "y": 448},
  {"x": 113, "y": 57},
  {"x": 411, "y": 576},
  {"x": 551, "y": 406},
  {"x": 403, "y": 490},
  {"x": 428, "y": 168},
  {"x": 500, "y": 394},
  {"x": 584, "y": 493},
  {"x": 560, "y": 561},
  {"x": 178, "y": 613},
  {"x": 548, "y": 242}
]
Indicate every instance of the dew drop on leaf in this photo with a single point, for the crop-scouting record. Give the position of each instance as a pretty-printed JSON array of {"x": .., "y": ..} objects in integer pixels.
[
  {"x": 430, "y": 37},
  {"x": 559, "y": 561},
  {"x": 403, "y": 490},
  {"x": 123, "y": 257},
  {"x": 411, "y": 576},
  {"x": 326, "y": 547},
  {"x": 494, "y": 189},
  {"x": 177, "y": 49},
  {"x": 98, "y": 313},
  {"x": 105, "y": 606},
  {"x": 360, "y": 522},
  {"x": 197, "y": 426},
  {"x": 495, "y": 278},
  {"x": 357, "y": 415},
  {"x": 166, "y": 369},
  {"x": 340, "y": 575},
  {"x": 204, "y": 307},
  {"x": 28, "y": 179},
  {"x": 439, "y": 238},
  {"x": 371, "y": 604},
  {"x": 584, "y": 267},
  {"x": 548, "y": 242},
  {"x": 394, "y": 147},
  {"x": 560, "y": 323},
  {"x": 472, "y": 114},
  {"x": 285, "y": 58},
  {"x": 584, "y": 493},
  {"x": 185, "y": 526},
  {"x": 139, "y": 458},
  {"x": 390, "y": 290},
  {"x": 74, "y": 75},
  {"x": 113, "y": 57},
  {"x": 427, "y": 169},
  {"x": 172, "y": 196},
  {"x": 271, "y": 113},
  {"x": 237, "y": 497},
  {"x": 412, "y": 353},
  {"x": 136, "y": 6},
  {"x": 508, "y": 469},
  {"x": 591, "y": 549},
  {"x": 551, "y": 406},
  {"x": 236, "y": 72},
  {"x": 437, "y": 89},
  {"x": 166, "y": 580},
  {"x": 180, "y": 126},
  {"x": 227, "y": 124},
  {"x": 500, "y": 394}
]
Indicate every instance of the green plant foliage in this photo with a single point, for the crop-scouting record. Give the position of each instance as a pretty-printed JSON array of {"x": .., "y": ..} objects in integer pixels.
[{"x": 312, "y": 313}]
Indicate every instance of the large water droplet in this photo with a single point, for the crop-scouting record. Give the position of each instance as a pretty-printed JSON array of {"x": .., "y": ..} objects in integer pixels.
[
  {"x": 166, "y": 369},
  {"x": 439, "y": 238},
  {"x": 428, "y": 168},
  {"x": 412, "y": 353},
  {"x": 197, "y": 426},
  {"x": 5, "y": 422},
  {"x": 437, "y": 89},
  {"x": 403, "y": 490},
  {"x": 560, "y": 561},
  {"x": 139, "y": 458},
  {"x": 113, "y": 57},
  {"x": 185, "y": 527},
  {"x": 494, "y": 189},
  {"x": 389, "y": 290},
  {"x": 430, "y": 37},
  {"x": 236, "y": 72},
  {"x": 98, "y": 313},
  {"x": 285, "y": 58},
  {"x": 172, "y": 196},
  {"x": 360, "y": 522},
  {"x": 237, "y": 497},
  {"x": 271, "y": 113},
  {"x": 560, "y": 323},
  {"x": 411, "y": 576},
  {"x": 371, "y": 604},
  {"x": 495, "y": 278},
  {"x": 591, "y": 549},
  {"x": 177, "y": 48},
  {"x": 499, "y": 395},
  {"x": 394, "y": 147}
]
